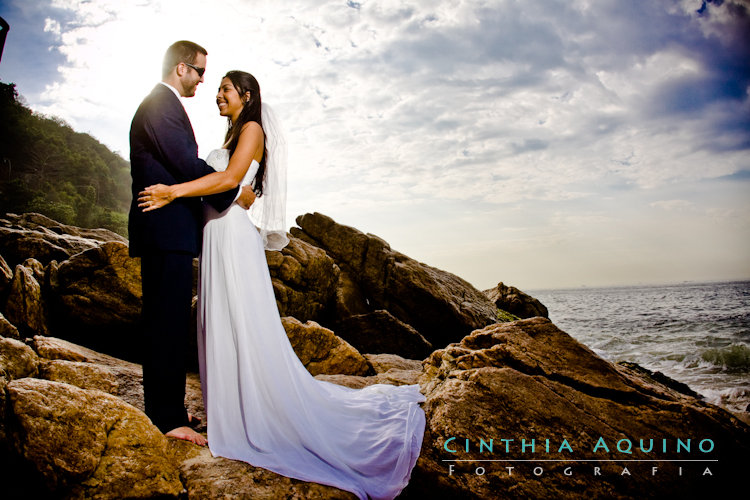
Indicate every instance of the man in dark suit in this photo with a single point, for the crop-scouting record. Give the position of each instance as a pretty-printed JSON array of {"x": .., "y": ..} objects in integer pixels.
[{"x": 163, "y": 150}]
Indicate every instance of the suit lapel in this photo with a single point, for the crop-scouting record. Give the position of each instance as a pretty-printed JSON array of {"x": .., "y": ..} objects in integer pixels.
[{"x": 167, "y": 98}]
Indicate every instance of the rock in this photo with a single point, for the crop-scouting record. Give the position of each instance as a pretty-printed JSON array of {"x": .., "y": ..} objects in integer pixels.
[
  {"x": 381, "y": 363},
  {"x": 89, "y": 444},
  {"x": 349, "y": 300},
  {"x": 203, "y": 475},
  {"x": 393, "y": 376},
  {"x": 66, "y": 362},
  {"x": 50, "y": 276},
  {"x": 36, "y": 268},
  {"x": 660, "y": 378},
  {"x": 35, "y": 222},
  {"x": 25, "y": 307},
  {"x": 396, "y": 376},
  {"x": 389, "y": 369},
  {"x": 7, "y": 329},
  {"x": 128, "y": 377},
  {"x": 37, "y": 236},
  {"x": 529, "y": 380},
  {"x": 321, "y": 351},
  {"x": 52, "y": 348},
  {"x": 210, "y": 478},
  {"x": 439, "y": 305},
  {"x": 304, "y": 280},
  {"x": 353, "y": 381},
  {"x": 17, "y": 360},
  {"x": 514, "y": 301},
  {"x": 6, "y": 277},
  {"x": 96, "y": 299},
  {"x": 380, "y": 332},
  {"x": 79, "y": 374}
]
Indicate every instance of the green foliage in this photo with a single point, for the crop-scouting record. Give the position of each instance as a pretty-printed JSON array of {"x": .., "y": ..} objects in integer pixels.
[
  {"x": 506, "y": 317},
  {"x": 47, "y": 167}
]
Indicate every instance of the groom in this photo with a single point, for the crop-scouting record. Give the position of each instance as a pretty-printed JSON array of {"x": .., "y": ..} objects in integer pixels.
[{"x": 163, "y": 150}]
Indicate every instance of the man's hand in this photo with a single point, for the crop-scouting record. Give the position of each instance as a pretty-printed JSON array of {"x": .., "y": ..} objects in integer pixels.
[{"x": 247, "y": 197}]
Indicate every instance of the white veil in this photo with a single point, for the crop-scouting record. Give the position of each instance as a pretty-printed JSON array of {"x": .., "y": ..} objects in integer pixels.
[{"x": 268, "y": 213}]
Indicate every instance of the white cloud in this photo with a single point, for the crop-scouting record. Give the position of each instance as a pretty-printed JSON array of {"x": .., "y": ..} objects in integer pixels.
[
  {"x": 52, "y": 26},
  {"x": 399, "y": 106}
]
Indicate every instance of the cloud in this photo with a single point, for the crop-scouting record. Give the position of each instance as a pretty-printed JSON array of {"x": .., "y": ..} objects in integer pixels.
[
  {"x": 52, "y": 26},
  {"x": 394, "y": 106},
  {"x": 672, "y": 204}
]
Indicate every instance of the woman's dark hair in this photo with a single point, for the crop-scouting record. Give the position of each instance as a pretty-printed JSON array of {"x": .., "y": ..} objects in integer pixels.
[{"x": 244, "y": 83}]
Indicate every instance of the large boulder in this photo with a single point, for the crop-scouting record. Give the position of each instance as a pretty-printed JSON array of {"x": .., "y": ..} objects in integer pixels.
[
  {"x": 389, "y": 369},
  {"x": 36, "y": 268},
  {"x": 37, "y": 236},
  {"x": 441, "y": 306},
  {"x": 89, "y": 444},
  {"x": 26, "y": 307},
  {"x": 209, "y": 478},
  {"x": 63, "y": 361},
  {"x": 349, "y": 299},
  {"x": 514, "y": 301},
  {"x": 80, "y": 374},
  {"x": 381, "y": 332},
  {"x": 383, "y": 363},
  {"x": 8, "y": 329},
  {"x": 6, "y": 277},
  {"x": 527, "y": 381},
  {"x": 304, "y": 280},
  {"x": 95, "y": 298},
  {"x": 321, "y": 351},
  {"x": 17, "y": 360},
  {"x": 33, "y": 221}
]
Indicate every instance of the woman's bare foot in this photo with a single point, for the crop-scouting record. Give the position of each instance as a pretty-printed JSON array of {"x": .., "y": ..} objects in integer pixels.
[{"x": 187, "y": 434}]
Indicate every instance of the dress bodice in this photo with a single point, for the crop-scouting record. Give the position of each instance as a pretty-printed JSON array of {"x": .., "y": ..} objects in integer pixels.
[{"x": 218, "y": 159}]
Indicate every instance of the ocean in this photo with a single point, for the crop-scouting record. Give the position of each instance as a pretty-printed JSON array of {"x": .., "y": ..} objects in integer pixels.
[{"x": 696, "y": 333}]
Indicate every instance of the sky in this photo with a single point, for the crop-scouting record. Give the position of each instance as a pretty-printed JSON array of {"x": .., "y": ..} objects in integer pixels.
[{"x": 544, "y": 144}]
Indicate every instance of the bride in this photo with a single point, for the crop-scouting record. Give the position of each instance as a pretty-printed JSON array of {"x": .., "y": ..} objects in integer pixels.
[{"x": 262, "y": 405}]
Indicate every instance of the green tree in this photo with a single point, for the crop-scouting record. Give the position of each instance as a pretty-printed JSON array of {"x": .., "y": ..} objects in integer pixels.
[{"x": 47, "y": 167}]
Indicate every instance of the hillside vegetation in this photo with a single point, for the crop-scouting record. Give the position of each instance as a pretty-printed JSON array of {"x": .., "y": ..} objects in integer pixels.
[{"x": 47, "y": 167}]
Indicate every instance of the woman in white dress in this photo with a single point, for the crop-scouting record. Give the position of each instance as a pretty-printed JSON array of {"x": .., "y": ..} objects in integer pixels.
[{"x": 262, "y": 405}]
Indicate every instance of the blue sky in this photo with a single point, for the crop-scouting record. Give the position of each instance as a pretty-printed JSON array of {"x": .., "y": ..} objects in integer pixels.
[{"x": 539, "y": 143}]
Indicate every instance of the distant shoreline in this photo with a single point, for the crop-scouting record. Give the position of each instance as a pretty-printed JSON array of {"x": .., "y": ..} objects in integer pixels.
[{"x": 643, "y": 285}]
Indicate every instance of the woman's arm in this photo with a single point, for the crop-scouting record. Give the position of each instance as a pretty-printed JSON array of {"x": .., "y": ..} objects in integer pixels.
[{"x": 249, "y": 147}]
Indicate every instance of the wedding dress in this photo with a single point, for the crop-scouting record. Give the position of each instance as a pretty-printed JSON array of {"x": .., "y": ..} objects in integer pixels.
[{"x": 263, "y": 407}]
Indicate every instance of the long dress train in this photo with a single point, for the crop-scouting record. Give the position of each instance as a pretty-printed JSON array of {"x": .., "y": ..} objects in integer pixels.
[{"x": 263, "y": 407}]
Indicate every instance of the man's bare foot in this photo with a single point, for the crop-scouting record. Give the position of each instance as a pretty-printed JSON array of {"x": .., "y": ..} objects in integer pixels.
[{"x": 187, "y": 434}]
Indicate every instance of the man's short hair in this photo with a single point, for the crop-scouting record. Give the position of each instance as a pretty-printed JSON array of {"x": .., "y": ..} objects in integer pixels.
[{"x": 182, "y": 51}]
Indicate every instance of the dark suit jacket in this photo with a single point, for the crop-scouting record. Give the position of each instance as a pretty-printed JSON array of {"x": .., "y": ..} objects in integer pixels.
[{"x": 163, "y": 150}]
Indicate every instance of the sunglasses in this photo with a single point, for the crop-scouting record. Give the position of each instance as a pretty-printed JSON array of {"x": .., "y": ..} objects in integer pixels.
[{"x": 198, "y": 70}]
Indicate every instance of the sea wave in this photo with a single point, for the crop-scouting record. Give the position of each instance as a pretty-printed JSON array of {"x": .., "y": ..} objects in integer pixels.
[
  {"x": 696, "y": 333},
  {"x": 733, "y": 358},
  {"x": 734, "y": 399}
]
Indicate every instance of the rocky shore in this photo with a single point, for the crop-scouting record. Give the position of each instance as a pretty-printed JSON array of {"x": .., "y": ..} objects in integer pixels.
[{"x": 496, "y": 372}]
